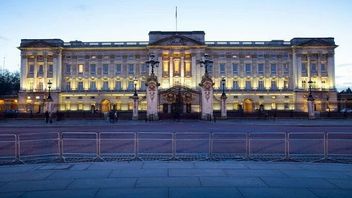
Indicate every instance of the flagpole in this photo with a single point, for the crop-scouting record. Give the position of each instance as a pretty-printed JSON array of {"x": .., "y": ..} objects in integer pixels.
[{"x": 176, "y": 18}]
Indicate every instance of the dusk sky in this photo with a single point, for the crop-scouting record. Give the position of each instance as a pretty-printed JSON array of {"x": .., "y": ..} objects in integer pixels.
[{"x": 131, "y": 20}]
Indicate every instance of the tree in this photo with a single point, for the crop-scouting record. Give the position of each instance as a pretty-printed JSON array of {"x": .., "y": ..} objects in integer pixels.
[{"x": 9, "y": 82}]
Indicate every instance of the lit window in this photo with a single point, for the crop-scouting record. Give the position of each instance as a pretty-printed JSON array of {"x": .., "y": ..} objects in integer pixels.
[
  {"x": 165, "y": 68},
  {"x": 93, "y": 85},
  {"x": 235, "y": 85},
  {"x": 188, "y": 72},
  {"x": 118, "y": 85},
  {"x": 105, "y": 85},
  {"x": 80, "y": 68}
]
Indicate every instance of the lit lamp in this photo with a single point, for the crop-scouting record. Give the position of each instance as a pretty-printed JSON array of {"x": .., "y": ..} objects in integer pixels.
[
  {"x": 223, "y": 100},
  {"x": 49, "y": 99},
  {"x": 310, "y": 100},
  {"x": 135, "y": 101},
  {"x": 135, "y": 87}
]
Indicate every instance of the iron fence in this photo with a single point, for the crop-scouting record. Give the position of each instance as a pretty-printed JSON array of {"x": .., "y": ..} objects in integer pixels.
[{"x": 106, "y": 146}]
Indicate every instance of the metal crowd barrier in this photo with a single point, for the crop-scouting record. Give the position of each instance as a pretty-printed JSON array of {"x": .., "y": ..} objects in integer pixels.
[{"x": 105, "y": 146}]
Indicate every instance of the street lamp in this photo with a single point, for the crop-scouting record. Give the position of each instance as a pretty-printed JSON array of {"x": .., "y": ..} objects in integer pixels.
[
  {"x": 151, "y": 63},
  {"x": 327, "y": 102},
  {"x": 310, "y": 95},
  {"x": 223, "y": 87},
  {"x": 206, "y": 62},
  {"x": 49, "y": 99},
  {"x": 135, "y": 87}
]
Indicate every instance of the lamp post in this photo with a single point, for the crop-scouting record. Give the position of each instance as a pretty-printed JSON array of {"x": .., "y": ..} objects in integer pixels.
[
  {"x": 223, "y": 100},
  {"x": 49, "y": 100},
  {"x": 135, "y": 101},
  {"x": 152, "y": 90},
  {"x": 206, "y": 85},
  {"x": 310, "y": 100}
]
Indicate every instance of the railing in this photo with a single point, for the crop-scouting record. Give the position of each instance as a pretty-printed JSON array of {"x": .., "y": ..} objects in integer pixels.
[{"x": 103, "y": 146}]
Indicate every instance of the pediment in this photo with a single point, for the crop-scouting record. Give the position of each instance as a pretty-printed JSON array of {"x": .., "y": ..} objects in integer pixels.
[
  {"x": 177, "y": 40},
  {"x": 316, "y": 42}
]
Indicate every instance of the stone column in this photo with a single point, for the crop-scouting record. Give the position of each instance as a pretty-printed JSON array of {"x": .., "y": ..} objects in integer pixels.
[
  {"x": 152, "y": 97},
  {"x": 171, "y": 70},
  {"x": 207, "y": 86},
  {"x": 135, "y": 107},
  {"x": 223, "y": 106},
  {"x": 331, "y": 70},
  {"x": 182, "y": 70}
]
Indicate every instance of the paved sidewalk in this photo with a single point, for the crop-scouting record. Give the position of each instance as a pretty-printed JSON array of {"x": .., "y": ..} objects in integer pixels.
[
  {"x": 245, "y": 179},
  {"x": 82, "y": 122}
]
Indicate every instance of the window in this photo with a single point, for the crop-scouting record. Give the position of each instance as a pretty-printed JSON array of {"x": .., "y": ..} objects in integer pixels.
[
  {"x": 261, "y": 69},
  {"x": 323, "y": 68},
  {"x": 130, "y": 69},
  {"x": 93, "y": 85},
  {"x": 143, "y": 87},
  {"x": 188, "y": 69},
  {"x": 93, "y": 69},
  {"x": 118, "y": 85},
  {"x": 130, "y": 85},
  {"x": 165, "y": 68},
  {"x": 143, "y": 68},
  {"x": 105, "y": 85},
  {"x": 210, "y": 69},
  {"x": 40, "y": 86},
  {"x": 80, "y": 86},
  {"x": 286, "y": 84},
  {"x": 31, "y": 86},
  {"x": 31, "y": 69},
  {"x": 50, "y": 71},
  {"x": 235, "y": 69},
  {"x": 286, "y": 106},
  {"x": 68, "y": 69},
  {"x": 118, "y": 69},
  {"x": 261, "y": 85},
  {"x": 273, "y": 85},
  {"x": 304, "y": 84},
  {"x": 80, "y": 68},
  {"x": 248, "y": 68},
  {"x": 40, "y": 71},
  {"x": 323, "y": 85},
  {"x": 304, "y": 69},
  {"x": 235, "y": 85},
  {"x": 313, "y": 68},
  {"x": 273, "y": 69},
  {"x": 248, "y": 85},
  {"x": 222, "y": 69},
  {"x": 105, "y": 69},
  {"x": 68, "y": 86},
  {"x": 286, "y": 69}
]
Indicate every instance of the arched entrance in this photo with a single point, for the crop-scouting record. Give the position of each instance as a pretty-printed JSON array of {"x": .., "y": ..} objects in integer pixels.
[
  {"x": 248, "y": 105},
  {"x": 105, "y": 105}
]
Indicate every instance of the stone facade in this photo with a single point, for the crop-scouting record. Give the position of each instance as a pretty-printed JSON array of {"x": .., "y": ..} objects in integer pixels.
[{"x": 100, "y": 75}]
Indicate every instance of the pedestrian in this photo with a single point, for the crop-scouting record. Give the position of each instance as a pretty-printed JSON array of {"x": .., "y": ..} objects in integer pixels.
[
  {"x": 46, "y": 116},
  {"x": 50, "y": 117},
  {"x": 116, "y": 115}
]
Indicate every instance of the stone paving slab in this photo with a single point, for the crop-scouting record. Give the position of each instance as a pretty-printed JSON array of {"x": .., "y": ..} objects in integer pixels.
[
  {"x": 195, "y": 172},
  {"x": 168, "y": 182},
  {"x": 133, "y": 193},
  {"x": 232, "y": 181},
  {"x": 332, "y": 193},
  {"x": 36, "y": 185},
  {"x": 155, "y": 172},
  {"x": 245, "y": 179},
  {"x": 297, "y": 182},
  {"x": 86, "y": 193},
  {"x": 276, "y": 193},
  {"x": 204, "y": 192},
  {"x": 80, "y": 174},
  {"x": 102, "y": 183}
]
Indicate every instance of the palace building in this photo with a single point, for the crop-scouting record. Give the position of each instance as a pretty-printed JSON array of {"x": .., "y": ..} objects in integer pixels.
[{"x": 100, "y": 76}]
